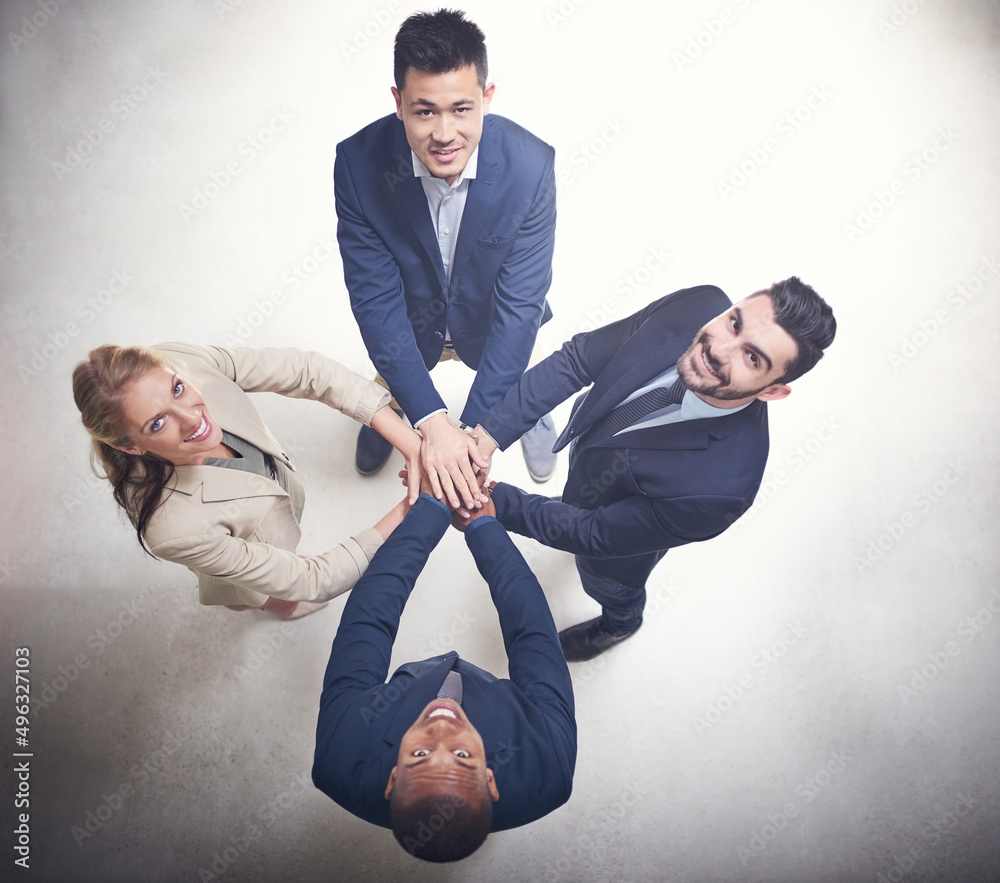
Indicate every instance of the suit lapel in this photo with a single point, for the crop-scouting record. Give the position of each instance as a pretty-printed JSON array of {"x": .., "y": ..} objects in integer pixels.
[
  {"x": 650, "y": 351},
  {"x": 218, "y": 485},
  {"x": 413, "y": 202},
  {"x": 428, "y": 675},
  {"x": 687, "y": 435},
  {"x": 479, "y": 202}
]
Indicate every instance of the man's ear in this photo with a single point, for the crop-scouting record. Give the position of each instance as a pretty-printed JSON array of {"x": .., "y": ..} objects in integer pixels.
[
  {"x": 399, "y": 101},
  {"x": 773, "y": 393},
  {"x": 488, "y": 97},
  {"x": 392, "y": 781},
  {"x": 491, "y": 784}
]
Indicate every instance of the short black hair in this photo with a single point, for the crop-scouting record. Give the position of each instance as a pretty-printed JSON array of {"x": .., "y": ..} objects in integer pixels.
[
  {"x": 807, "y": 318},
  {"x": 438, "y": 42},
  {"x": 440, "y": 827}
]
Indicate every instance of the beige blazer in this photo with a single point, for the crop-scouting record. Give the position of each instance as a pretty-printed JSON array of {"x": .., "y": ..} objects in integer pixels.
[{"x": 234, "y": 529}]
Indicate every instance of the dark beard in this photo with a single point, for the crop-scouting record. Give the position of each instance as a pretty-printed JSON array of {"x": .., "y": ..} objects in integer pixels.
[{"x": 692, "y": 380}]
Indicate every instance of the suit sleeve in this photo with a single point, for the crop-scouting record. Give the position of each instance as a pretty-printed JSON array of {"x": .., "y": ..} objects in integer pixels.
[
  {"x": 519, "y": 302},
  {"x": 535, "y": 659},
  {"x": 257, "y": 569},
  {"x": 359, "y": 659},
  {"x": 569, "y": 369},
  {"x": 631, "y": 526},
  {"x": 298, "y": 374},
  {"x": 378, "y": 301}
]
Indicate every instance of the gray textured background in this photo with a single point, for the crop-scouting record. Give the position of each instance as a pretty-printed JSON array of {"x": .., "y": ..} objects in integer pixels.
[{"x": 814, "y": 694}]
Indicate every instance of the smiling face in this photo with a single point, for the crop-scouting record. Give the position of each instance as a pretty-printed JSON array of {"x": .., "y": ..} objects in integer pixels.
[
  {"x": 443, "y": 117},
  {"x": 442, "y": 753},
  {"x": 739, "y": 356},
  {"x": 167, "y": 416}
]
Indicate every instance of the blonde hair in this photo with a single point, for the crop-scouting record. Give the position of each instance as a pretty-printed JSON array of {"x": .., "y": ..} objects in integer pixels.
[{"x": 100, "y": 385}]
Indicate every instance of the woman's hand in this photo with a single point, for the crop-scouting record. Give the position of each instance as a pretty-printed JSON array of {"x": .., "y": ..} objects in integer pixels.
[{"x": 391, "y": 427}]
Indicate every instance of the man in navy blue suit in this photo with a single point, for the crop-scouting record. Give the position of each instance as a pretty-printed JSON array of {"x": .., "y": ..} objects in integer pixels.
[
  {"x": 669, "y": 445},
  {"x": 445, "y": 752},
  {"x": 446, "y": 224}
]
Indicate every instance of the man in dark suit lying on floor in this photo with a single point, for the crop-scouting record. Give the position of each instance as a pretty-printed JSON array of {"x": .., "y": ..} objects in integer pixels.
[{"x": 444, "y": 752}]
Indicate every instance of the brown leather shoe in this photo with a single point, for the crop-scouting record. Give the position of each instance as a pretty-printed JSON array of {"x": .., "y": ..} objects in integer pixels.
[{"x": 589, "y": 639}]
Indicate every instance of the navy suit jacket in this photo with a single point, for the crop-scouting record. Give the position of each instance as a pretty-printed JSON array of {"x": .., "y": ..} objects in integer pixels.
[
  {"x": 527, "y": 723},
  {"x": 651, "y": 489},
  {"x": 399, "y": 293}
]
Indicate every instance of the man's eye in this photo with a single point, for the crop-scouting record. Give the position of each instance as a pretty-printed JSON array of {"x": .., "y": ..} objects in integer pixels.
[
  {"x": 461, "y": 752},
  {"x": 421, "y": 752},
  {"x": 754, "y": 360}
]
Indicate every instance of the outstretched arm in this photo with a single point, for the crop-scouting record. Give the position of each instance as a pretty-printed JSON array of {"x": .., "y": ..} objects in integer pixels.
[
  {"x": 361, "y": 650},
  {"x": 630, "y": 526},
  {"x": 391, "y": 427},
  {"x": 535, "y": 658}
]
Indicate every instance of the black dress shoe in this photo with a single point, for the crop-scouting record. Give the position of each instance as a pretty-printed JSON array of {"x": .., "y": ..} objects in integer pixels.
[
  {"x": 372, "y": 453},
  {"x": 588, "y": 639}
]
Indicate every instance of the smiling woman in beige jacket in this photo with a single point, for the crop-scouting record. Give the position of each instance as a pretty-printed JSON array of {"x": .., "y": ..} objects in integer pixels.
[{"x": 204, "y": 481}]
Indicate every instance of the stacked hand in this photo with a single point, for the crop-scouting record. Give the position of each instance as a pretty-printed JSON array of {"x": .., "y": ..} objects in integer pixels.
[
  {"x": 456, "y": 464},
  {"x": 461, "y": 518}
]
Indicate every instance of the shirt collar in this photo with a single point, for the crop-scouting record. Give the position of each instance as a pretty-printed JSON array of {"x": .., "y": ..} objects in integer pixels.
[
  {"x": 468, "y": 173},
  {"x": 695, "y": 408}
]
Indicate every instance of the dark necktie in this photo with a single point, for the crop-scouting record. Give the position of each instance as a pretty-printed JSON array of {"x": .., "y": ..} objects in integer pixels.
[
  {"x": 452, "y": 687},
  {"x": 632, "y": 412}
]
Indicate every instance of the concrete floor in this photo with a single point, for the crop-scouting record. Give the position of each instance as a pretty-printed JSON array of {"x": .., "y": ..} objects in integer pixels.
[{"x": 813, "y": 696}]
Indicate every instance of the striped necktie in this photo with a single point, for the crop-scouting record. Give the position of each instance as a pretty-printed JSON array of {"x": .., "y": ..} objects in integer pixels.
[
  {"x": 452, "y": 687},
  {"x": 632, "y": 412}
]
